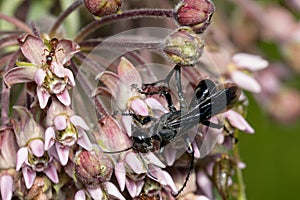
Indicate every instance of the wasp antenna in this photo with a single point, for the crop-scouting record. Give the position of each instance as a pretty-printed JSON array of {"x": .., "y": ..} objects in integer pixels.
[{"x": 120, "y": 151}]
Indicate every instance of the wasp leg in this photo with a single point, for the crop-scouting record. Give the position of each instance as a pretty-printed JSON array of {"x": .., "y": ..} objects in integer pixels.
[{"x": 190, "y": 150}]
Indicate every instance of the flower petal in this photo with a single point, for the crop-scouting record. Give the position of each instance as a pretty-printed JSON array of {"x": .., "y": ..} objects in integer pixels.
[
  {"x": 151, "y": 158},
  {"x": 68, "y": 49},
  {"x": 34, "y": 50},
  {"x": 29, "y": 176},
  {"x": 120, "y": 174},
  {"x": 170, "y": 154},
  {"x": 52, "y": 173},
  {"x": 139, "y": 107},
  {"x": 80, "y": 195},
  {"x": 84, "y": 140},
  {"x": 250, "y": 62},
  {"x": 68, "y": 73},
  {"x": 110, "y": 80},
  {"x": 6, "y": 186},
  {"x": 64, "y": 98},
  {"x": 43, "y": 96},
  {"x": 113, "y": 191},
  {"x": 134, "y": 162},
  {"x": 19, "y": 75},
  {"x": 245, "y": 81},
  {"x": 155, "y": 104},
  {"x": 78, "y": 121},
  {"x": 22, "y": 156},
  {"x": 238, "y": 121},
  {"x": 37, "y": 147},
  {"x": 60, "y": 122},
  {"x": 63, "y": 153},
  {"x": 96, "y": 193},
  {"x": 126, "y": 121},
  {"x": 49, "y": 138},
  {"x": 131, "y": 187},
  {"x": 39, "y": 76}
]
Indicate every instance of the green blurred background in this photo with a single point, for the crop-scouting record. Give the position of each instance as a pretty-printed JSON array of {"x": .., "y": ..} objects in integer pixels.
[{"x": 271, "y": 156}]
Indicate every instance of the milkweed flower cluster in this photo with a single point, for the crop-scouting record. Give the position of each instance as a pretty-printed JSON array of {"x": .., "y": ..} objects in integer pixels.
[{"x": 155, "y": 133}]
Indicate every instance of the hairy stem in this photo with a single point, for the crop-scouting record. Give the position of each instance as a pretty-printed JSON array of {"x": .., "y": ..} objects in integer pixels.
[
  {"x": 16, "y": 22},
  {"x": 60, "y": 19},
  {"x": 125, "y": 15},
  {"x": 6, "y": 91},
  {"x": 240, "y": 180}
]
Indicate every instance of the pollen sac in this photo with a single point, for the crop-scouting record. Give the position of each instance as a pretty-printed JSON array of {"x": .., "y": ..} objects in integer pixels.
[
  {"x": 196, "y": 14},
  {"x": 184, "y": 46},
  {"x": 101, "y": 8},
  {"x": 93, "y": 168}
]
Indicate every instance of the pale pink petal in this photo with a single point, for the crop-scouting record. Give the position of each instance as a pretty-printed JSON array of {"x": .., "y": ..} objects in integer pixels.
[
  {"x": 120, "y": 173},
  {"x": 127, "y": 121},
  {"x": 113, "y": 191},
  {"x": 170, "y": 154},
  {"x": 164, "y": 178},
  {"x": 238, "y": 121},
  {"x": 19, "y": 74},
  {"x": 22, "y": 156},
  {"x": 58, "y": 69},
  {"x": 43, "y": 96},
  {"x": 60, "y": 122},
  {"x": 134, "y": 162},
  {"x": 64, "y": 98},
  {"x": 139, "y": 107},
  {"x": 196, "y": 150},
  {"x": 245, "y": 81},
  {"x": 201, "y": 197},
  {"x": 63, "y": 153},
  {"x": 151, "y": 158},
  {"x": 131, "y": 187},
  {"x": 39, "y": 76},
  {"x": 80, "y": 195},
  {"x": 249, "y": 61},
  {"x": 69, "y": 48},
  {"x": 84, "y": 140},
  {"x": 204, "y": 182},
  {"x": 34, "y": 50},
  {"x": 96, "y": 193},
  {"x": 78, "y": 121},
  {"x": 37, "y": 147},
  {"x": 68, "y": 73},
  {"x": 29, "y": 176},
  {"x": 211, "y": 137},
  {"x": 49, "y": 138},
  {"x": 154, "y": 104},
  {"x": 110, "y": 80},
  {"x": 52, "y": 173},
  {"x": 139, "y": 187},
  {"x": 241, "y": 165},
  {"x": 6, "y": 186}
]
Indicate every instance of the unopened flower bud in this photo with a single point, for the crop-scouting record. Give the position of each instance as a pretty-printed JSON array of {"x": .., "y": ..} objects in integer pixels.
[
  {"x": 195, "y": 14},
  {"x": 93, "y": 168},
  {"x": 101, "y": 8},
  {"x": 183, "y": 46}
]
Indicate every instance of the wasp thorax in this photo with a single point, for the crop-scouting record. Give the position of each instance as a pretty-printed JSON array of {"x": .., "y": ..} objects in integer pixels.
[
  {"x": 196, "y": 14},
  {"x": 184, "y": 46}
]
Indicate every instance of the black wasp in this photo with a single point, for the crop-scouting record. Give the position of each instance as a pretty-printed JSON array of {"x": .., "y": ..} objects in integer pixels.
[{"x": 209, "y": 100}]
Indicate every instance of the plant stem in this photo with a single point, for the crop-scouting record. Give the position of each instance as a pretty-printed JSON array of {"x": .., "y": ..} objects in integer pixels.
[
  {"x": 16, "y": 22},
  {"x": 121, "y": 44},
  {"x": 60, "y": 19},
  {"x": 240, "y": 180},
  {"x": 138, "y": 13},
  {"x": 6, "y": 91}
]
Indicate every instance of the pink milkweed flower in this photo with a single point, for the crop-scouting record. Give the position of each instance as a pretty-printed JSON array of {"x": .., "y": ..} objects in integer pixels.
[
  {"x": 32, "y": 158},
  {"x": 238, "y": 121},
  {"x": 124, "y": 89},
  {"x": 65, "y": 129},
  {"x": 51, "y": 77},
  {"x": 6, "y": 186},
  {"x": 241, "y": 67}
]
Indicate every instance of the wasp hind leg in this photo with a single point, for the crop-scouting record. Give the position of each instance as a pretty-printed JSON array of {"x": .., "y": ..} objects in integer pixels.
[{"x": 190, "y": 151}]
